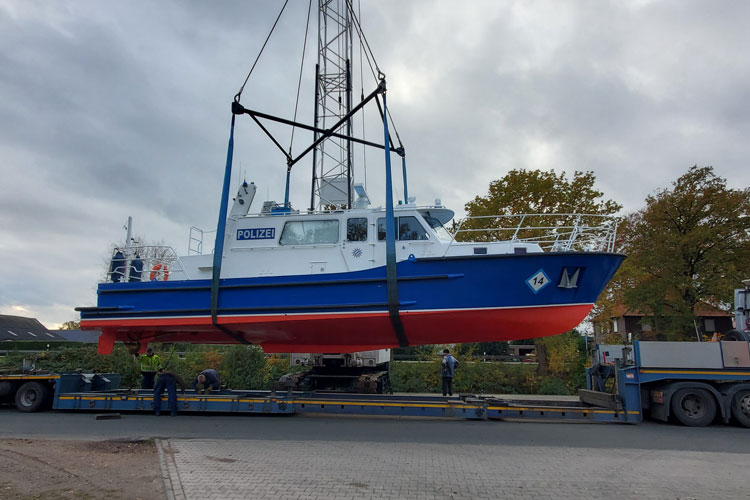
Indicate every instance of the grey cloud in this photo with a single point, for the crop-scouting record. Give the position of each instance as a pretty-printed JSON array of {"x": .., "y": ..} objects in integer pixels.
[{"x": 110, "y": 109}]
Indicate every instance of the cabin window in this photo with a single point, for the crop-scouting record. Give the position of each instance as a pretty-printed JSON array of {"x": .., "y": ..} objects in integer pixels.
[
  {"x": 313, "y": 232},
  {"x": 437, "y": 226},
  {"x": 356, "y": 229},
  {"x": 408, "y": 226}
]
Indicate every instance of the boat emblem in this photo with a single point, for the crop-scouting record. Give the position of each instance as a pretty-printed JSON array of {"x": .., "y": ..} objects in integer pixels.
[
  {"x": 568, "y": 281},
  {"x": 357, "y": 253},
  {"x": 538, "y": 281}
]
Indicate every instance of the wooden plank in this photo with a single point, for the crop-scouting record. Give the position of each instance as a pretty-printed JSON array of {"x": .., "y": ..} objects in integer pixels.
[{"x": 603, "y": 399}]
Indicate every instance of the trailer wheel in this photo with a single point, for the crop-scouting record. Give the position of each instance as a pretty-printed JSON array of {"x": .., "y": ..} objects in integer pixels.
[
  {"x": 32, "y": 396},
  {"x": 735, "y": 335},
  {"x": 694, "y": 407},
  {"x": 741, "y": 407}
]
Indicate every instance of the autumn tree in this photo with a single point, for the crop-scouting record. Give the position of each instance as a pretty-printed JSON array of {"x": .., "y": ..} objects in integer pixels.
[
  {"x": 690, "y": 243},
  {"x": 536, "y": 192}
]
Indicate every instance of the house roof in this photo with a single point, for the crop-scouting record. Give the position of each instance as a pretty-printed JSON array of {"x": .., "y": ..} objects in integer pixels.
[
  {"x": 18, "y": 328},
  {"x": 89, "y": 337}
]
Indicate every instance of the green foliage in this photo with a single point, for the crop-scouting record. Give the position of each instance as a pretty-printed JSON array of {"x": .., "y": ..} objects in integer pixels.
[
  {"x": 415, "y": 376},
  {"x": 82, "y": 357},
  {"x": 566, "y": 359},
  {"x": 246, "y": 367},
  {"x": 478, "y": 349},
  {"x": 553, "y": 385},
  {"x": 472, "y": 377},
  {"x": 419, "y": 352},
  {"x": 71, "y": 325},
  {"x": 690, "y": 243},
  {"x": 533, "y": 192},
  {"x": 536, "y": 191},
  {"x": 35, "y": 345}
]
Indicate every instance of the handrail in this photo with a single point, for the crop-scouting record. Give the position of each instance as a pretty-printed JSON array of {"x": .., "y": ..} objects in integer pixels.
[
  {"x": 154, "y": 258},
  {"x": 561, "y": 232}
]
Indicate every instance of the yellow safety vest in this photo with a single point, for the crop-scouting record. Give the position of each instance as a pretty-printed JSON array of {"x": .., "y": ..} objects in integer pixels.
[{"x": 150, "y": 363}]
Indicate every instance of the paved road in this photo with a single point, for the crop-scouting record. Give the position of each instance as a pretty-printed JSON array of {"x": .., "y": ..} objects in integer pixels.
[
  {"x": 305, "y": 457},
  {"x": 61, "y": 425}
]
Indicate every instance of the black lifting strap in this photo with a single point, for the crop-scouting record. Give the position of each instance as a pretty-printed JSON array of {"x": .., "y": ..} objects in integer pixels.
[
  {"x": 393, "y": 304},
  {"x": 391, "y": 273},
  {"x": 219, "y": 245}
]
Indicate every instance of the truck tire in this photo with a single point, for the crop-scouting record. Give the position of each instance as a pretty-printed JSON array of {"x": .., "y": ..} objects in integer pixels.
[
  {"x": 735, "y": 335},
  {"x": 741, "y": 407},
  {"x": 32, "y": 396},
  {"x": 693, "y": 407}
]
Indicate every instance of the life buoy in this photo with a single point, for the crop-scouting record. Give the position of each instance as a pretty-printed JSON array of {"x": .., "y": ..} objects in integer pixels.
[{"x": 159, "y": 271}]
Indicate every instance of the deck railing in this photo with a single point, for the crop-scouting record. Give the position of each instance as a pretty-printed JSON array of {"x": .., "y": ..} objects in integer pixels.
[
  {"x": 157, "y": 263},
  {"x": 552, "y": 232}
]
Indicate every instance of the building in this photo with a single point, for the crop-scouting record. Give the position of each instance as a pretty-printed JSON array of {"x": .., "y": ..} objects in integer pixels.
[
  {"x": 20, "y": 329},
  {"x": 623, "y": 321}
]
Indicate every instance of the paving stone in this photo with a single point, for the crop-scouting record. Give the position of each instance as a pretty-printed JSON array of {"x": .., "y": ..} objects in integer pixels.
[{"x": 309, "y": 470}]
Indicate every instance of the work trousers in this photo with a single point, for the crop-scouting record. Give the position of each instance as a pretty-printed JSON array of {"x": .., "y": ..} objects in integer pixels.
[
  {"x": 170, "y": 384},
  {"x": 147, "y": 382},
  {"x": 447, "y": 386}
]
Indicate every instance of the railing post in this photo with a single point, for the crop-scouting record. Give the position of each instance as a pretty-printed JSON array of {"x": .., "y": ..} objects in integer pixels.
[{"x": 518, "y": 227}]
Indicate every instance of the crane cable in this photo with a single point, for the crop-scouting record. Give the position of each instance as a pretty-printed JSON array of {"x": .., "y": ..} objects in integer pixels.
[
  {"x": 376, "y": 70},
  {"x": 299, "y": 81},
  {"x": 368, "y": 53},
  {"x": 362, "y": 96},
  {"x": 237, "y": 97}
]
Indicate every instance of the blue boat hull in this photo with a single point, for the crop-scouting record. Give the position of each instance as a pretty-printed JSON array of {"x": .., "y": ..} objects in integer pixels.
[{"x": 441, "y": 300}]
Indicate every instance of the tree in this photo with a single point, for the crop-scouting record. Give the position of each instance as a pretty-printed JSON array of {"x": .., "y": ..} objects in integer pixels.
[
  {"x": 533, "y": 192},
  {"x": 71, "y": 325},
  {"x": 690, "y": 243},
  {"x": 479, "y": 349},
  {"x": 538, "y": 192}
]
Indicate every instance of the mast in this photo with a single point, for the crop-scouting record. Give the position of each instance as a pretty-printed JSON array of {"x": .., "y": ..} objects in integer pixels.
[{"x": 332, "y": 158}]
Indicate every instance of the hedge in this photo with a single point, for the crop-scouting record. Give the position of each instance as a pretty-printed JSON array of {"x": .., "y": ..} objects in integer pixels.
[{"x": 246, "y": 367}]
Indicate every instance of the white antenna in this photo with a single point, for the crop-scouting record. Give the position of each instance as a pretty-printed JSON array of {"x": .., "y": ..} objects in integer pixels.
[{"x": 127, "y": 248}]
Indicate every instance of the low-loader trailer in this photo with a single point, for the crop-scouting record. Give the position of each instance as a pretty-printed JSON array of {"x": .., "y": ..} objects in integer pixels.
[{"x": 690, "y": 382}]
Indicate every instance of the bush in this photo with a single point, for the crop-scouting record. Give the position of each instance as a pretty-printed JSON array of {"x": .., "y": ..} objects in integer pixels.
[
  {"x": 246, "y": 367},
  {"x": 473, "y": 377},
  {"x": 553, "y": 385}
]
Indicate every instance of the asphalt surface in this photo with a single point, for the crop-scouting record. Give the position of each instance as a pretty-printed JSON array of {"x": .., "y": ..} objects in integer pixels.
[{"x": 648, "y": 435}]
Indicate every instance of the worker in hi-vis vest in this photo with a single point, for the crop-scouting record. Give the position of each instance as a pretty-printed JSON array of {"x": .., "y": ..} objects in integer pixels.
[{"x": 149, "y": 365}]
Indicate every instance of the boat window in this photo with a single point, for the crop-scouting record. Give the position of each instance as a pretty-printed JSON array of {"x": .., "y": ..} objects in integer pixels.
[
  {"x": 381, "y": 228},
  {"x": 437, "y": 226},
  {"x": 408, "y": 226},
  {"x": 313, "y": 232},
  {"x": 356, "y": 229}
]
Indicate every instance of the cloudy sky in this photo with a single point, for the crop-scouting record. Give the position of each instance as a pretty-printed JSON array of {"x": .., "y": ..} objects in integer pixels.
[{"x": 110, "y": 109}]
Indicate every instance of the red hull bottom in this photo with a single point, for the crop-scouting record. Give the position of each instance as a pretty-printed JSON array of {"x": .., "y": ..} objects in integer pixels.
[{"x": 347, "y": 332}]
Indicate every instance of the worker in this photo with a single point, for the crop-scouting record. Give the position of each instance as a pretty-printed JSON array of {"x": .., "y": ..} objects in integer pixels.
[
  {"x": 447, "y": 370},
  {"x": 208, "y": 378},
  {"x": 149, "y": 365},
  {"x": 169, "y": 381}
]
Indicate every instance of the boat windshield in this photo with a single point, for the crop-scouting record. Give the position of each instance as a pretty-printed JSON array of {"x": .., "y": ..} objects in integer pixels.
[{"x": 437, "y": 226}]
